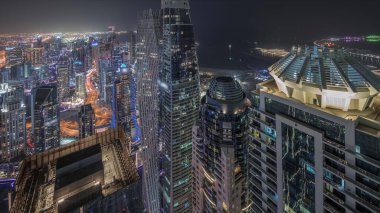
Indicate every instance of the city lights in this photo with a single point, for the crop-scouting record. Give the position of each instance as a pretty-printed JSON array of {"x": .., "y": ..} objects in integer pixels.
[{"x": 185, "y": 106}]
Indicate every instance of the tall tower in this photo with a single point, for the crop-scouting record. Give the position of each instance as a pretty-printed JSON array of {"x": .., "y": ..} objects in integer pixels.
[
  {"x": 12, "y": 123},
  {"x": 80, "y": 79},
  {"x": 219, "y": 149},
  {"x": 149, "y": 33},
  {"x": 179, "y": 86},
  {"x": 106, "y": 77},
  {"x": 45, "y": 118},
  {"x": 86, "y": 121},
  {"x": 315, "y": 135},
  {"x": 121, "y": 103},
  {"x": 62, "y": 82}
]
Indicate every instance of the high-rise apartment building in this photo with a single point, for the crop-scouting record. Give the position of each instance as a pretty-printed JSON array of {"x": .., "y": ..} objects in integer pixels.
[
  {"x": 220, "y": 141},
  {"x": 45, "y": 118},
  {"x": 106, "y": 79},
  {"x": 12, "y": 123},
  {"x": 80, "y": 79},
  {"x": 86, "y": 121},
  {"x": 131, "y": 47},
  {"x": 121, "y": 106},
  {"x": 14, "y": 55},
  {"x": 179, "y": 108},
  {"x": 149, "y": 33},
  {"x": 34, "y": 55},
  {"x": 316, "y": 135},
  {"x": 63, "y": 77}
]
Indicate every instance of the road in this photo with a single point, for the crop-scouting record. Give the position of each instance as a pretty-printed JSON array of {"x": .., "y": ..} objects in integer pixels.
[{"x": 103, "y": 114}]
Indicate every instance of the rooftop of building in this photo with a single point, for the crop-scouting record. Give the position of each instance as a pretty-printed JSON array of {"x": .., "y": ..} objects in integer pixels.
[
  {"x": 225, "y": 89},
  {"x": 327, "y": 69},
  {"x": 367, "y": 120},
  {"x": 225, "y": 94},
  {"x": 95, "y": 167},
  {"x": 331, "y": 81}
]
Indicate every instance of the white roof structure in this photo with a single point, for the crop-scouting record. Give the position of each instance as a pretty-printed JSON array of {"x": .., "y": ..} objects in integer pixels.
[{"x": 325, "y": 77}]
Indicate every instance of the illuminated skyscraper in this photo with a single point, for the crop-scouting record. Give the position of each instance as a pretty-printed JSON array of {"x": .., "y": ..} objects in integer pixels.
[
  {"x": 131, "y": 47},
  {"x": 316, "y": 135},
  {"x": 86, "y": 121},
  {"x": 45, "y": 118},
  {"x": 180, "y": 100},
  {"x": 121, "y": 106},
  {"x": 149, "y": 32},
  {"x": 34, "y": 55},
  {"x": 14, "y": 55},
  {"x": 80, "y": 79},
  {"x": 12, "y": 123},
  {"x": 63, "y": 82},
  {"x": 220, "y": 142},
  {"x": 106, "y": 79}
]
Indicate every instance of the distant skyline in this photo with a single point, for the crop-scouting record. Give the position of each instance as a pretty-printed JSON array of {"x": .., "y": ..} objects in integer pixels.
[
  {"x": 217, "y": 23},
  {"x": 260, "y": 18}
]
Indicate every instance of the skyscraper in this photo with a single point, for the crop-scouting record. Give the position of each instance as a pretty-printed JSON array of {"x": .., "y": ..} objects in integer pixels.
[
  {"x": 106, "y": 77},
  {"x": 63, "y": 82},
  {"x": 220, "y": 142},
  {"x": 14, "y": 55},
  {"x": 80, "y": 79},
  {"x": 316, "y": 135},
  {"x": 131, "y": 47},
  {"x": 12, "y": 123},
  {"x": 121, "y": 106},
  {"x": 179, "y": 90},
  {"x": 45, "y": 118},
  {"x": 149, "y": 33},
  {"x": 34, "y": 55},
  {"x": 86, "y": 121}
]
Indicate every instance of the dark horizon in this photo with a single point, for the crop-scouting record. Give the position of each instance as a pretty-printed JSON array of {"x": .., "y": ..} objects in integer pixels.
[
  {"x": 239, "y": 18},
  {"x": 217, "y": 23}
]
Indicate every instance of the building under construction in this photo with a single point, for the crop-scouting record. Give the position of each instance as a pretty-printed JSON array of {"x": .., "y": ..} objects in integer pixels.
[{"x": 94, "y": 174}]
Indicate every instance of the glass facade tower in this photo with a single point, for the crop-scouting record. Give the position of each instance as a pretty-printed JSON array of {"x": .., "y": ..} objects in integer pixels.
[
  {"x": 12, "y": 124},
  {"x": 86, "y": 121},
  {"x": 180, "y": 100},
  {"x": 45, "y": 118},
  {"x": 149, "y": 33},
  {"x": 220, "y": 142}
]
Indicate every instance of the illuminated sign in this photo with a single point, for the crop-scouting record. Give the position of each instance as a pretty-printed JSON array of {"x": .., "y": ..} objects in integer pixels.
[{"x": 373, "y": 38}]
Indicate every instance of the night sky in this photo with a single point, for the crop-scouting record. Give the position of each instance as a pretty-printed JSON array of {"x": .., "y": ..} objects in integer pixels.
[{"x": 217, "y": 22}]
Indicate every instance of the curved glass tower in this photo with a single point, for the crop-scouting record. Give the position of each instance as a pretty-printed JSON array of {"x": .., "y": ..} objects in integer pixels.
[
  {"x": 220, "y": 142},
  {"x": 148, "y": 35},
  {"x": 179, "y": 87}
]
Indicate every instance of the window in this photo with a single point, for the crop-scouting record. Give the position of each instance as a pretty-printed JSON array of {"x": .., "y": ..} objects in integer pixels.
[
  {"x": 367, "y": 167},
  {"x": 367, "y": 145}
]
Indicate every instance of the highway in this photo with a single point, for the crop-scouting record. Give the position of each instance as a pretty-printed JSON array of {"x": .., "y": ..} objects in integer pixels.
[{"x": 103, "y": 114}]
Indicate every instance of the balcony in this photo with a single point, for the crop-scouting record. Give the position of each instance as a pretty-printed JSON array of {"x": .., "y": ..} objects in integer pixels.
[{"x": 362, "y": 201}]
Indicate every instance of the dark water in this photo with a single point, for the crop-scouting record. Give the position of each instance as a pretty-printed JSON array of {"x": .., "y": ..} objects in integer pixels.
[{"x": 220, "y": 56}]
